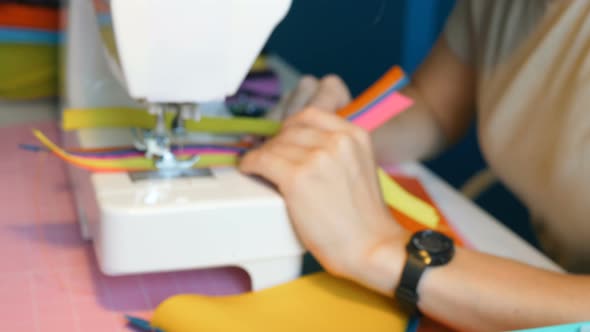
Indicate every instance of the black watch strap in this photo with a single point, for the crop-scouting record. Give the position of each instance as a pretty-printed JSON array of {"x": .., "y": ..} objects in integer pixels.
[{"x": 407, "y": 292}]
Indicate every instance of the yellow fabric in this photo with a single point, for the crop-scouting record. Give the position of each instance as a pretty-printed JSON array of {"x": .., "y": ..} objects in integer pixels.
[
  {"x": 28, "y": 71},
  {"x": 116, "y": 117},
  {"x": 401, "y": 200},
  {"x": 127, "y": 164},
  {"x": 317, "y": 302}
]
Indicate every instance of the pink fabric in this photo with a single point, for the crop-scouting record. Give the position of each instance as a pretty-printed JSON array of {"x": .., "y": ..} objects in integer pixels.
[
  {"x": 49, "y": 280},
  {"x": 386, "y": 109}
]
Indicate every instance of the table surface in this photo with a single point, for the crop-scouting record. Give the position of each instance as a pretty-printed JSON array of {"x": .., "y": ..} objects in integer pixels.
[
  {"x": 49, "y": 279},
  {"x": 482, "y": 231},
  {"x": 17, "y": 112}
]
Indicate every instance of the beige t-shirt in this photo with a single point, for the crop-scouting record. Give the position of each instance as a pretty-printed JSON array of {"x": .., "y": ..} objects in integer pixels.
[{"x": 533, "y": 84}]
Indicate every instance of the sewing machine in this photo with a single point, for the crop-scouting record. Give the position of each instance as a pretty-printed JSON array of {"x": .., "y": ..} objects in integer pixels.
[{"x": 184, "y": 57}]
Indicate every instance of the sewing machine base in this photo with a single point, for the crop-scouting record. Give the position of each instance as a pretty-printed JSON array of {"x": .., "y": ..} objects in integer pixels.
[{"x": 220, "y": 219}]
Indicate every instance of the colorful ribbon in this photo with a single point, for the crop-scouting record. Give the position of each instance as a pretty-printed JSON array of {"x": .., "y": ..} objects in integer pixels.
[
  {"x": 131, "y": 163},
  {"x": 370, "y": 110}
]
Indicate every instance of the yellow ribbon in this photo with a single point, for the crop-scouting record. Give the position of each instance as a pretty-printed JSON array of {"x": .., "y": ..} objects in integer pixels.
[{"x": 120, "y": 117}]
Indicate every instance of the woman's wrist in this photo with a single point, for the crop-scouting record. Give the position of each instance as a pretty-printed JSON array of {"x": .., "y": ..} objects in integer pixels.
[{"x": 381, "y": 268}]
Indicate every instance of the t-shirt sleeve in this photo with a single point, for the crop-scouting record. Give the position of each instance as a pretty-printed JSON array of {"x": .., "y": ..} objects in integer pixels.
[{"x": 458, "y": 31}]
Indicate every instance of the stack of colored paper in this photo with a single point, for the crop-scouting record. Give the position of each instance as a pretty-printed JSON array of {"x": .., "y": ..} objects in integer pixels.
[{"x": 29, "y": 35}]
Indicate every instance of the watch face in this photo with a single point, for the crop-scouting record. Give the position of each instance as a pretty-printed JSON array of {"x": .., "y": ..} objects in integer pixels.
[
  {"x": 432, "y": 242},
  {"x": 438, "y": 247}
]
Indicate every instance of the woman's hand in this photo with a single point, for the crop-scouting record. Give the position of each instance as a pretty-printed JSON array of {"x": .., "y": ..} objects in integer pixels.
[
  {"x": 329, "y": 94},
  {"x": 325, "y": 170}
]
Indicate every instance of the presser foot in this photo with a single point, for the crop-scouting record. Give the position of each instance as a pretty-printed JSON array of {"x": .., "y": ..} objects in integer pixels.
[
  {"x": 157, "y": 148},
  {"x": 156, "y": 142}
]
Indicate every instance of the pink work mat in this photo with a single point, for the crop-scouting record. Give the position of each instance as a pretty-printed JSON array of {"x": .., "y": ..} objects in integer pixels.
[{"x": 49, "y": 280}]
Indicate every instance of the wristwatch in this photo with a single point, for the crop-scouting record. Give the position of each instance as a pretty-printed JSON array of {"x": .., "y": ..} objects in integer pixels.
[{"x": 425, "y": 249}]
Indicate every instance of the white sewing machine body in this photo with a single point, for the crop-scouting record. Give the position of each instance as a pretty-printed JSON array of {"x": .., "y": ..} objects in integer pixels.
[{"x": 180, "y": 51}]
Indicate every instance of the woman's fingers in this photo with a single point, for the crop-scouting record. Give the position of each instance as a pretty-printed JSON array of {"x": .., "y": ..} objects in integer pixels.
[
  {"x": 304, "y": 136},
  {"x": 267, "y": 164},
  {"x": 328, "y": 94},
  {"x": 319, "y": 120},
  {"x": 295, "y": 100},
  {"x": 332, "y": 94}
]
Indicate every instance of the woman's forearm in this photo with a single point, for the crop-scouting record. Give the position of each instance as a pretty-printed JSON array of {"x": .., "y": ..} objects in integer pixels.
[
  {"x": 413, "y": 135},
  {"x": 443, "y": 90},
  {"x": 480, "y": 292}
]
